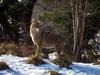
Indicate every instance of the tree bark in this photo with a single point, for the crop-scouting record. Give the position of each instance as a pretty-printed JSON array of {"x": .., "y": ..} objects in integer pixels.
[
  {"x": 78, "y": 14},
  {"x": 28, "y": 14},
  {"x": 27, "y": 20}
]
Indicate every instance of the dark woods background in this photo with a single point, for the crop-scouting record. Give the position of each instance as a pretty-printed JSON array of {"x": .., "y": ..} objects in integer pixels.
[{"x": 15, "y": 18}]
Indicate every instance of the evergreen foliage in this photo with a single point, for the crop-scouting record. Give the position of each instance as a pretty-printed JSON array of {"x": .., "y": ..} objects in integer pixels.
[{"x": 60, "y": 13}]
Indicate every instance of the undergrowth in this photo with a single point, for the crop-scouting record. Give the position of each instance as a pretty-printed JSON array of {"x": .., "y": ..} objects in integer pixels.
[{"x": 21, "y": 49}]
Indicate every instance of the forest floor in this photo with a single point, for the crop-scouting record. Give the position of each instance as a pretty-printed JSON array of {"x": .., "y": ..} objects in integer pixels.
[{"x": 18, "y": 66}]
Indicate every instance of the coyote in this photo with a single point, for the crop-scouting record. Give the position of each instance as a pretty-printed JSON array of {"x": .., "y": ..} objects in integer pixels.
[{"x": 46, "y": 37}]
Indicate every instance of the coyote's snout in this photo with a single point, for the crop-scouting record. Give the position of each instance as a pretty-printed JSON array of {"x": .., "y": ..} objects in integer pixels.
[{"x": 47, "y": 38}]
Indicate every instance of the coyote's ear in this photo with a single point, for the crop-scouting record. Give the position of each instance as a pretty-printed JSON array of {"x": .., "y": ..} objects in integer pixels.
[{"x": 33, "y": 20}]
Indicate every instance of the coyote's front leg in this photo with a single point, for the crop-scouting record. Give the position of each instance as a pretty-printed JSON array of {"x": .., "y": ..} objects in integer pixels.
[
  {"x": 36, "y": 59},
  {"x": 38, "y": 52}
]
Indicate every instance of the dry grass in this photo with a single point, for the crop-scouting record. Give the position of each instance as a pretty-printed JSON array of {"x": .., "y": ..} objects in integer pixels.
[
  {"x": 97, "y": 62},
  {"x": 8, "y": 48},
  {"x": 3, "y": 66},
  {"x": 34, "y": 60},
  {"x": 54, "y": 73},
  {"x": 21, "y": 49},
  {"x": 25, "y": 50}
]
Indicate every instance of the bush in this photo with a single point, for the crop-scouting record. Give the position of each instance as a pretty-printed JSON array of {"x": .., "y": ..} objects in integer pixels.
[
  {"x": 90, "y": 56},
  {"x": 3, "y": 66}
]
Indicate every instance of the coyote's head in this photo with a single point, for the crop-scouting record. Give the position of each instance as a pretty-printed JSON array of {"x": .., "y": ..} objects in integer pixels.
[{"x": 35, "y": 23}]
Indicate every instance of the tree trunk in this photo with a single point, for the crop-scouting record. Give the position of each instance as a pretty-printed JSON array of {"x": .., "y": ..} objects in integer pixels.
[
  {"x": 28, "y": 14},
  {"x": 27, "y": 20},
  {"x": 78, "y": 14}
]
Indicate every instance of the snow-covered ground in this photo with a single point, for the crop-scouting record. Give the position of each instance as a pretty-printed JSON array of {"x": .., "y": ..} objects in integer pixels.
[{"x": 19, "y": 67}]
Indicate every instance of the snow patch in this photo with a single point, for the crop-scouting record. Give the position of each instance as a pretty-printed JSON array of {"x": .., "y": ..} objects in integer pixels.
[{"x": 19, "y": 67}]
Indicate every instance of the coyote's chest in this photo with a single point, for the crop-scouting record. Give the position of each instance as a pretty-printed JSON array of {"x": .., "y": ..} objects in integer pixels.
[{"x": 34, "y": 33}]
